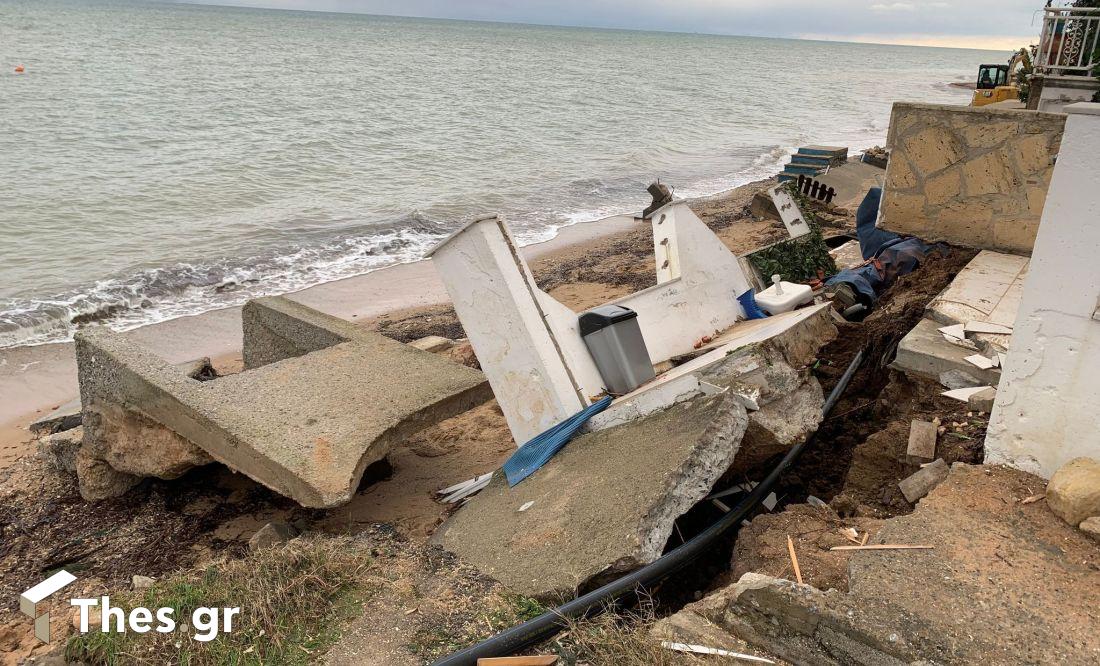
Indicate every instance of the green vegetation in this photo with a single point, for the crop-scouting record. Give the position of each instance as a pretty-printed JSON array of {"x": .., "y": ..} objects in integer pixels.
[
  {"x": 293, "y": 600},
  {"x": 504, "y": 610},
  {"x": 797, "y": 259}
]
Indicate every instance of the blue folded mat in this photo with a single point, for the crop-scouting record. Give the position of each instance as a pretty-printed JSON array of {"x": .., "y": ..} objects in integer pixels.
[{"x": 534, "y": 454}]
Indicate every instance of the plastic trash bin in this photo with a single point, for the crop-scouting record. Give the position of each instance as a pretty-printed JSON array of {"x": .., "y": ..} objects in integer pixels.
[{"x": 615, "y": 341}]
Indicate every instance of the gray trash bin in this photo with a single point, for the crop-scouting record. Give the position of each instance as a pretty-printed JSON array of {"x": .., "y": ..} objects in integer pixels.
[{"x": 615, "y": 341}]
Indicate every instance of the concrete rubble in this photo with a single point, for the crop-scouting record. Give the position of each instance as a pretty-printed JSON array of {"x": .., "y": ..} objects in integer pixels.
[
  {"x": 608, "y": 502},
  {"x": 918, "y": 484},
  {"x": 992, "y": 590},
  {"x": 319, "y": 400},
  {"x": 1073, "y": 493}
]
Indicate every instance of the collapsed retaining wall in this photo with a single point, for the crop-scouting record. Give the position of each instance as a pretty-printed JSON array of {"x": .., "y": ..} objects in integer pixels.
[
  {"x": 970, "y": 176},
  {"x": 320, "y": 401}
]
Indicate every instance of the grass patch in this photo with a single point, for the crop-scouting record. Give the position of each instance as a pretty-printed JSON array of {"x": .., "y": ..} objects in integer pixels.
[
  {"x": 622, "y": 638},
  {"x": 294, "y": 600},
  {"x": 501, "y": 611}
]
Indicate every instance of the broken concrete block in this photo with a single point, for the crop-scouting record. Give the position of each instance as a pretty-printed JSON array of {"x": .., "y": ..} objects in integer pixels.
[
  {"x": 604, "y": 505},
  {"x": 957, "y": 379},
  {"x": 100, "y": 481},
  {"x": 922, "y": 442},
  {"x": 304, "y": 419},
  {"x": 1091, "y": 527},
  {"x": 135, "y": 444},
  {"x": 271, "y": 534},
  {"x": 59, "y": 449},
  {"x": 65, "y": 417},
  {"x": 924, "y": 351},
  {"x": 983, "y": 400},
  {"x": 433, "y": 343},
  {"x": 921, "y": 482},
  {"x": 1073, "y": 493},
  {"x": 143, "y": 582}
]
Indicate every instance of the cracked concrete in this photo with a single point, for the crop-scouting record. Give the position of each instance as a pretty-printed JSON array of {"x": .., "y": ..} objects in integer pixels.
[{"x": 322, "y": 400}]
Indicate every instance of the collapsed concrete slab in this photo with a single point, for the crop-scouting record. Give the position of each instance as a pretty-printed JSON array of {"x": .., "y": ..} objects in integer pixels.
[
  {"x": 319, "y": 401},
  {"x": 974, "y": 598},
  {"x": 603, "y": 506},
  {"x": 606, "y": 504},
  {"x": 984, "y": 296}
]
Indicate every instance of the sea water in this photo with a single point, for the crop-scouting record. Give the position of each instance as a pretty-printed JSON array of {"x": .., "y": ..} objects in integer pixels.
[{"x": 162, "y": 159}]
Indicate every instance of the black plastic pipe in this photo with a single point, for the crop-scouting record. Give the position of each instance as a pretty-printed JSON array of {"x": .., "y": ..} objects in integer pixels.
[{"x": 548, "y": 624}]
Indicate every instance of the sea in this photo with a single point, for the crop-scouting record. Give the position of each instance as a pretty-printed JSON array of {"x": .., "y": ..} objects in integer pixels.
[{"x": 160, "y": 160}]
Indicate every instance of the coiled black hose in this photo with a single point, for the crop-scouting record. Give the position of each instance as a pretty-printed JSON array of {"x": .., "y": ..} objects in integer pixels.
[{"x": 550, "y": 623}]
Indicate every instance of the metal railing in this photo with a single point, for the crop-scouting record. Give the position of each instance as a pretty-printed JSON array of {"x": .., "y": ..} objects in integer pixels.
[{"x": 1068, "y": 43}]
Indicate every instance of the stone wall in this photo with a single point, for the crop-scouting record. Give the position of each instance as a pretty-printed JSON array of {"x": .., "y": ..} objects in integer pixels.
[{"x": 970, "y": 176}]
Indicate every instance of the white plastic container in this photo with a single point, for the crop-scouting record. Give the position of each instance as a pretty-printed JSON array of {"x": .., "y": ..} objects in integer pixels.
[{"x": 784, "y": 296}]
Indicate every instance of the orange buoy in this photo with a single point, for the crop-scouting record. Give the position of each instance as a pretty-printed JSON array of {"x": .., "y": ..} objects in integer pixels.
[{"x": 19, "y": 69}]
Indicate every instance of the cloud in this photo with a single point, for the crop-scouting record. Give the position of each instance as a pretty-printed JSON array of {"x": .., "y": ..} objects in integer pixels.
[
  {"x": 894, "y": 7},
  {"x": 904, "y": 21}
]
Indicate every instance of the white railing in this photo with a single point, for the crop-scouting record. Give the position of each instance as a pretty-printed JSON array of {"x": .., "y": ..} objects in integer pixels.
[{"x": 1068, "y": 43}]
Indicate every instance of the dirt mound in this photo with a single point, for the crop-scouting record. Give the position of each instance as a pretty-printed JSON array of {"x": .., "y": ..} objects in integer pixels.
[{"x": 762, "y": 545}]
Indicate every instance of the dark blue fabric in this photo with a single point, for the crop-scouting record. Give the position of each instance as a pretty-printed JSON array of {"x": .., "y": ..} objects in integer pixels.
[
  {"x": 893, "y": 255},
  {"x": 872, "y": 239},
  {"x": 535, "y": 453}
]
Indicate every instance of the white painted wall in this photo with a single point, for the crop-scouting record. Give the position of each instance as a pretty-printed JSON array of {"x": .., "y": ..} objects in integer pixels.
[
  {"x": 1048, "y": 404},
  {"x": 496, "y": 300},
  {"x": 701, "y": 300},
  {"x": 529, "y": 344}
]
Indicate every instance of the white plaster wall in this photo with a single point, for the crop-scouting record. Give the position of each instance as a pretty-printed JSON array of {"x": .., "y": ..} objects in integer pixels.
[
  {"x": 1055, "y": 98},
  {"x": 529, "y": 344},
  {"x": 1047, "y": 409},
  {"x": 703, "y": 300},
  {"x": 495, "y": 298}
]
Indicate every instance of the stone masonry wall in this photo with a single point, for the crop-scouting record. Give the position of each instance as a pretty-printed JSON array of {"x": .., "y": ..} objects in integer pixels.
[{"x": 970, "y": 176}]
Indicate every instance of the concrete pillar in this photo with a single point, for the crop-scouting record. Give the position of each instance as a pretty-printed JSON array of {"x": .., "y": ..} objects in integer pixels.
[
  {"x": 1046, "y": 411},
  {"x": 499, "y": 306}
]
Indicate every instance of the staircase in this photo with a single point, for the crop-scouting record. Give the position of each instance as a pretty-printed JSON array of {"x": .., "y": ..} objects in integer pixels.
[{"x": 813, "y": 161}]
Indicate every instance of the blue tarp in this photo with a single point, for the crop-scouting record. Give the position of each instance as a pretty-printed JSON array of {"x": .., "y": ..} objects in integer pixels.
[
  {"x": 535, "y": 453},
  {"x": 888, "y": 255}
]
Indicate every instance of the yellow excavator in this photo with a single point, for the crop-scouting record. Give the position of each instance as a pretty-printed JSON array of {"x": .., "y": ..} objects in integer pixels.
[{"x": 998, "y": 83}]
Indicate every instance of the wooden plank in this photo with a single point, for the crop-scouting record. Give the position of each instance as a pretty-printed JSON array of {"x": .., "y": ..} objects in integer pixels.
[
  {"x": 794, "y": 560},
  {"x": 922, "y": 442}
]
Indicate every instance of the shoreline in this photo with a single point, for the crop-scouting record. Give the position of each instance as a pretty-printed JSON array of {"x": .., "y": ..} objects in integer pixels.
[
  {"x": 584, "y": 265},
  {"x": 35, "y": 379}
]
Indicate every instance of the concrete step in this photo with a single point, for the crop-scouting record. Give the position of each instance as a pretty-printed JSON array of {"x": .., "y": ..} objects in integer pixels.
[
  {"x": 803, "y": 169},
  {"x": 832, "y": 152},
  {"x": 810, "y": 160}
]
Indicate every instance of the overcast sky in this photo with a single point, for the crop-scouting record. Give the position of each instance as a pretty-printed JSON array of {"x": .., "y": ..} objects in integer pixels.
[{"x": 996, "y": 24}]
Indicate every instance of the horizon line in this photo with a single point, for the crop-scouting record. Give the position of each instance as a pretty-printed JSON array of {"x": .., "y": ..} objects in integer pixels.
[{"x": 800, "y": 38}]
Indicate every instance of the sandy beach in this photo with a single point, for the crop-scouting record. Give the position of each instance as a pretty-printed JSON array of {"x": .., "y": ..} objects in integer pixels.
[{"x": 584, "y": 265}]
